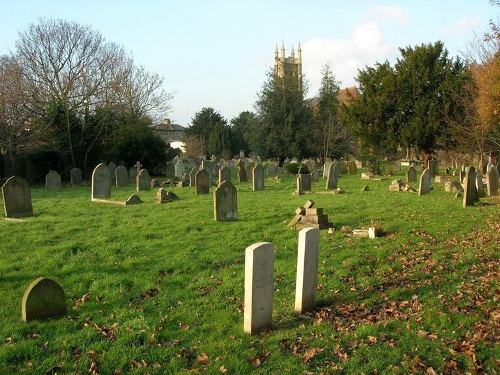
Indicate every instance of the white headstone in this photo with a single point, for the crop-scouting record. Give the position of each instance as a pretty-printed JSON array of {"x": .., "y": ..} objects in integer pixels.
[{"x": 307, "y": 270}]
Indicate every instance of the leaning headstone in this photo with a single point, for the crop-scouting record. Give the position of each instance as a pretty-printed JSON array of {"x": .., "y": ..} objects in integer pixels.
[
  {"x": 224, "y": 175},
  {"x": 143, "y": 181},
  {"x": 53, "y": 181},
  {"x": 242, "y": 173},
  {"x": 259, "y": 271},
  {"x": 425, "y": 183},
  {"x": 202, "y": 182},
  {"x": 333, "y": 177},
  {"x": 352, "y": 167},
  {"x": 225, "y": 202},
  {"x": 411, "y": 175},
  {"x": 75, "y": 176},
  {"x": 470, "y": 191},
  {"x": 121, "y": 176},
  {"x": 492, "y": 181},
  {"x": 258, "y": 178},
  {"x": 17, "y": 198},
  {"x": 101, "y": 182},
  {"x": 112, "y": 170},
  {"x": 44, "y": 299},
  {"x": 307, "y": 270},
  {"x": 163, "y": 196}
]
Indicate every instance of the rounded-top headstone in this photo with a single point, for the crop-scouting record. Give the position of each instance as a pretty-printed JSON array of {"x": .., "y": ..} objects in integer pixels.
[{"x": 44, "y": 299}]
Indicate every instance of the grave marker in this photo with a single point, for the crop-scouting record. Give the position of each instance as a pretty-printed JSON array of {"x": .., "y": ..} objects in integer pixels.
[
  {"x": 17, "y": 198},
  {"x": 332, "y": 177},
  {"x": 470, "y": 191},
  {"x": 202, "y": 182},
  {"x": 242, "y": 173},
  {"x": 411, "y": 175},
  {"x": 112, "y": 172},
  {"x": 224, "y": 175},
  {"x": 143, "y": 181},
  {"x": 425, "y": 183},
  {"x": 75, "y": 176},
  {"x": 258, "y": 178},
  {"x": 44, "y": 299},
  {"x": 101, "y": 182},
  {"x": 259, "y": 270},
  {"x": 53, "y": 181},
  {"x": 307, "y": 270},
  {"x": 492, "y": 181},
  {"x": 121, "y": 176},
  {"x": 225, "y": 202}
]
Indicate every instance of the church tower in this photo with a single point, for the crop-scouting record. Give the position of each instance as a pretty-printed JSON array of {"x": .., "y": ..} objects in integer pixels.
[{"x": 288, "y": 66}]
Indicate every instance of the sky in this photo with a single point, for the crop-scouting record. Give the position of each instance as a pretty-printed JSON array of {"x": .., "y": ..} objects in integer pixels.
[{"x": 217, "y": 53}]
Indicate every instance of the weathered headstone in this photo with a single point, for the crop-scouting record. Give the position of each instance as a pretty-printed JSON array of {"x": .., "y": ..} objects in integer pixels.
[
  {"x": 224, "y": 175},
  {"x": 425, "y": 183},
  {"x": 258, "y": 178},
  {"x": 53, "y": 181},
  {"x": 272, "y": 169},
  {"x": 192, "y": 176},
  {"x": 101, "y": 182},
  {"x": 17, "y": 198},
  {"x": 170, "y": 169},
  {"x": 133, "y": 199},
  {"x": 470, "y": 190},
  {"x": 259, "y": 270},
  {"x": 315, "y": 176},
  {"x": 305, "y": 182},
  {"x": 332, "y": 177},
  {"x": 433, "y": 168},
  {"x": 179, "y": 169},
  {"x": 75, "y": 176},
  {"x": 225, "y": 202},
  {"x": 143, "y": 181},
  {"x": 132, "y": 173},
  {"x": 112, "y": 172},
  {"x": 202, "y": 182},
  {"x": 163, "y": 196},
  {"x": 121, "y": 176},
  {"x": 44, "y": 299},
  {"x": 492, "y": 181},
  {"x": 397, "y": 165},
  {"x": 479, "y": 185},
  {"x": 250, "y": 167},
  {"x": 307, "y": 270},
  {"x": 411, "y": 175},
  {"x": 352, "y": 167},
  {"x": 242, "y": 172}
]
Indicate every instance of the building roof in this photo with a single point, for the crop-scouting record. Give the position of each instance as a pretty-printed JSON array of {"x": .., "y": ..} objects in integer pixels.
[
  {"x": 166, "y": 125},
  {"x": 345, "y": 96}
]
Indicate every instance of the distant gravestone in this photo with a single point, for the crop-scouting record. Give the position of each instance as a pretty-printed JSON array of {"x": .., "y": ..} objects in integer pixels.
[
  {"x": 17, "y": 198},
  {"x": 225, "y": 202},
  {"x": 242, "y": 172},
  {"x": 425, "y": 183},
  {"x": 75, "y": 176},
  {"x": 343, "y": 167},
  {"x": 112, "y": 171},
  {"x": 259, "y": 271},
  {"x": 224, "y": 175},
  {"x": 470, "y": 191},
  {"x": 179, "y": 169},
  {"x": 137, "y": 167},
  {"x": 479, "y": 185},
  {"x": 163, "y": 196},
  {"x": 492, "y": 181},
  {"x": 133, "y": 199},
  {"x": 305, "y": 182},
  {"x": 411, "y": 175},
  {"x": 307, "y": 270},
  {"x": 258, "y": 178},
  {"x": 170, "y": 169},
  {"x": 433, "y": 168},
  {"x": 272, "y": 169},
  {"x": 132, "y": 173},
  {"x": 143, "y": 181},
  {"x": 352, "y": 167},
  {"x": 192, "y": 176},
  {"x": 121, "y": 176},
  {"x": 250, "y": 167},
  {"x": 326, "y": 167},
  {"x": 101, "y": 182},
  {"x": 202, "y": 182},
  {"x": 332, "y": 177},
  {"x": 44, "y": 299},
  {"x": 397, "y": 166},
  {"x": 315, "y": 176},
  {"x": 53, "y": 181}
]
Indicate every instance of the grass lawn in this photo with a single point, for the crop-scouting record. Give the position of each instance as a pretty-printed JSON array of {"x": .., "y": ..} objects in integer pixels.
[{"x": 158, "y": 289}]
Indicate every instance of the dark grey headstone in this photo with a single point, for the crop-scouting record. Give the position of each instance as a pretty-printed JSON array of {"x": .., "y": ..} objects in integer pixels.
[
  {"x": 224, "y": 175},
  {"x": 53, "y": 181},
  {"x": 121, "y": 176},
  {"x": 425, "y": 183},
  {"x": 44, "y": 299},
  {"x": 202, "y": 182},
  {"x": 492, "y": 181},
  {"x": 242, "y": 172},
  {"x": 305, "y": 182},
  {"x": 225, "y": 202},
  {"x": 133, "y": 199},
  {"x": 332, "y": 177},
  {"x": 470, "y": 190},
  {"x": 17, "y": 198},
  {"x": 143, "y": 181},
  {"x": 112, "y": 171},
  {"x": 411, "y": 175},
  {"x": 75, "y": 176}
]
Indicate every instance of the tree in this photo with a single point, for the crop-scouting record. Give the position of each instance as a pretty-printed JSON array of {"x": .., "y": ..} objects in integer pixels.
[
  {"x": 285, "y": 119},
  {"x": 371, "y": 117},
  {"x": 219, "y": 142},
  {"x": 197, "y": 135},
  {"x": 244, "y": 133}
]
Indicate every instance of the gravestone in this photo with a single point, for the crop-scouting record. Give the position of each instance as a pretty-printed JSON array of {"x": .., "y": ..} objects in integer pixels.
[
  {"x": 202, "y": 182},
  {"x": 433, "y": 168},
  {"x": 479, "y": 185},
  {"x": 258, "y": 178},
  {"x": 132, "y": 173},
  {"x": 179, "y": 169},
  {"x": 192, "y": 176},
  {"x": 304, "y": 180},
  {"x": 342, "y": 166},
  {"x": 224, "y": 175},
  {"x": 307, "y": 270},
  {"x": 397, "y": 166},
  {"x": 425, "y": 183},
  {"x": 112, "y": 172},
  {"x": 411, "y": 175},
  {"x": 101, "y": 182},
  {"x": 225, "y": 202},
  {"x": 332, "y": 177},
  {"x": 470, "y": 191},
  {"x": 170, "y": 169},
  {"x": 492, "y": 181},
  {"x": 143, "y": 181},
  {"x": 250, "y": 167},
  {"x": 121, "y": 176},
  {"x": 352, "y": 167},
  {"x": 17, "y": 198},
  {"x": 163, "y": 196},
  {"x": 44, "y": 299},
  {"x": 75, "y": 176},
  {"x": 53, "y": 181},
  {"x": 272, "y": 169},
  {"x": 259, "y": 271},
  {"x": 242, "y": 173},
  {"x": 315, "y": 176}
]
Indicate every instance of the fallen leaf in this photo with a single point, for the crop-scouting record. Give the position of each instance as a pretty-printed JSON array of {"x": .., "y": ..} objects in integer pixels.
[
  {"x": 203, "y": 359},
  {"x": 135, "y": 364},
  {"x": 8, "y": 340},
  {"x": 222, "y": 370},
  {"x": 430, "y": 371},
  {"x": 254, "y": 361}
]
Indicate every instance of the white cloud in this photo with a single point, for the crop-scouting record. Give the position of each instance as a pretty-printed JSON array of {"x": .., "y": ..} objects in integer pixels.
[
  {"x": 365, "y": 46},
  {"x": 383, "y": 12}
]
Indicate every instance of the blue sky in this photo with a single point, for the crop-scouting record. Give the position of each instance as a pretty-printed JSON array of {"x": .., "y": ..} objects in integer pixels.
[{"x": 217, "y": 53}]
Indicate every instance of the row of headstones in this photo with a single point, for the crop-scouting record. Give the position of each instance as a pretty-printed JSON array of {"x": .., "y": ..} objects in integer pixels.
[{"x": 45, "y": 298}]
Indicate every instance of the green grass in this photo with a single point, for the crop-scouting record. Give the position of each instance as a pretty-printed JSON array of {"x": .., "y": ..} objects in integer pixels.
[{"x": 159, "y": 289}]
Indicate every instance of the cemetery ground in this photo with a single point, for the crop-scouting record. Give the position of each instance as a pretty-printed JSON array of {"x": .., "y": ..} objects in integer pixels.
[{"x": 159, "y": 288}]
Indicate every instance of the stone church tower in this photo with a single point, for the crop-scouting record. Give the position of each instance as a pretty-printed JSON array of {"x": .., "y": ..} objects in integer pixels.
[{"x": 288, "y": 66}]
